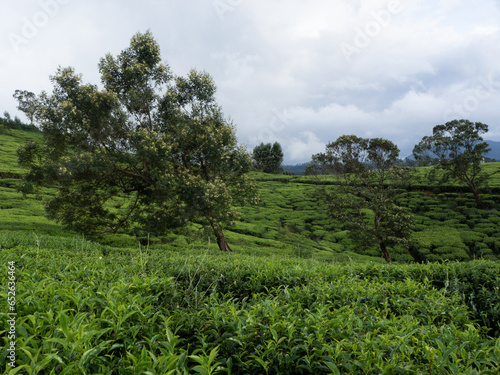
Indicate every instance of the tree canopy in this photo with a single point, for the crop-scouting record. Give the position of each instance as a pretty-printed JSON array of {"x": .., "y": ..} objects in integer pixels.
[
  {"x": 149, "y": 151},
  {"x": 364, "y": 199},
  {"x": 268, "y": 158},
  {"x": 458, "y": 149},
  {"x": 27, "y": 103}
]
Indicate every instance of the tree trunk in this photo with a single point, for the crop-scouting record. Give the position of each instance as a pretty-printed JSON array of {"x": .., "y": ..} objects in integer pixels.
[
  {"x": 221, "y": 240},
  {"x": 479, "y": 204},
  {"x": 385, "y": 253}
]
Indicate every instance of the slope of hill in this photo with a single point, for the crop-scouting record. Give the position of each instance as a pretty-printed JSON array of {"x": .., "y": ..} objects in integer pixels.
[
  {"x": 10, "y": 140},
  {"x": 291, "y": 218},
  {"x": 176, "y": 303}
]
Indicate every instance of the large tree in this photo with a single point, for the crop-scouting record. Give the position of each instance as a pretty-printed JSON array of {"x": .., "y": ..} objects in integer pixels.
[
  {"x": 149, "y": 150},
  {"x": 458, "y": 149},
  {"x": 268, "y": 158},
  {"x": 364, "y": 198}
]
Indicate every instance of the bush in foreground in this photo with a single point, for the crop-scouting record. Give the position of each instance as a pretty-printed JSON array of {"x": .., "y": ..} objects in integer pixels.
[{"x": 87, "y": 308}]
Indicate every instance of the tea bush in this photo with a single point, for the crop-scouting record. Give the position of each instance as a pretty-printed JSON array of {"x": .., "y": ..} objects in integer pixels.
[{"x": 89, "y": 308}]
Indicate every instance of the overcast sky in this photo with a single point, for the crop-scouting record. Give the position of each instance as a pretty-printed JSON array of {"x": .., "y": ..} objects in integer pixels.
[{"x": 300, "y": 72}]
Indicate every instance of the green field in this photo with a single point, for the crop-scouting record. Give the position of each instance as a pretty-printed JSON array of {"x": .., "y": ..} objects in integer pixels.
[{"x": 296, "y": 296}]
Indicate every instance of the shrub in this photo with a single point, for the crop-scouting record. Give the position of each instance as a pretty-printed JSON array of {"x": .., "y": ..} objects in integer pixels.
[{"x": 438, "y": 244}]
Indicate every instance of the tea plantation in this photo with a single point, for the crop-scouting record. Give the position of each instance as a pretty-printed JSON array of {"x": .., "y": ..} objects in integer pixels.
[
  {"x": 85, "y": 308},
  {"x": 296, "y": 296}
]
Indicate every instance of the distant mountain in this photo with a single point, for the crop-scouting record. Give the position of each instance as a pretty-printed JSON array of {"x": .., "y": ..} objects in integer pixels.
[
  {"x": 298, "y": 169},
  {"x": 495, "y": 150},
  {"x": 493, "y": 154}
]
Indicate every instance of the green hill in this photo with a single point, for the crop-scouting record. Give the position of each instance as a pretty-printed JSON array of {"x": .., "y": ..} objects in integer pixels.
[
  {"x": 291, "y": 218},
  {"x": 295, "y": 297},
  {"x": 10, "y": 141}
]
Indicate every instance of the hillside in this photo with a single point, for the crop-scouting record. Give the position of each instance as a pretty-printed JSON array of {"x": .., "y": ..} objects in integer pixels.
[
  {"x": 10, "y": 140},
  {"x": 295, "y": 297},
  {"x": 291, "y": 218}
]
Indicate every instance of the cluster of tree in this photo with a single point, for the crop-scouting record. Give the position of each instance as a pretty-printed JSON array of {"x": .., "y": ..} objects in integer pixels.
[
  {"x": 370, "y": 176},
  {"x": 7, "y": 123},
  {"x": 150, "y": 151},
  {"x": 268, "y": 158}
]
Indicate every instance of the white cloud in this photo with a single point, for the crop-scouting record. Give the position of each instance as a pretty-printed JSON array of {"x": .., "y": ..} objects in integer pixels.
[
  {"x": 303, "y": 146},
  {"x": 284, "y": 57}
]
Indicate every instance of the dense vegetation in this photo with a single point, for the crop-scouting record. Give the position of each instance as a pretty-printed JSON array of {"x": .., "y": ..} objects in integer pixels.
[
  {"x": 291, "y": 218},
  {"x": 297, "y": 296},
  {"x": 85, "y": 308},
  {"x": 458, "y": 149},
  {"x": 268, "y": 158},
  {"x": 146, "y": 153},
  {"x": 152, "y": 157}
]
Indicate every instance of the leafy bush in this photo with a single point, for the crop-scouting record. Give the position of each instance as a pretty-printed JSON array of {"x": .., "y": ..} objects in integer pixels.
[
  {"x": 438, "y": 244},
  {"x": 148, "y": 309}
]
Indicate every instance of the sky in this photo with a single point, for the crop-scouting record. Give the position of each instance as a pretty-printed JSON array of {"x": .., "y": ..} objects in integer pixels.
[{"x": 298, "y": 72}]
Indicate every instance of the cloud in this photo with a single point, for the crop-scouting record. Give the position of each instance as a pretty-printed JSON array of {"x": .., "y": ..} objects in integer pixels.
[
  {"x": 303, "y": 146},
  {"x": 279, "y": 66}
]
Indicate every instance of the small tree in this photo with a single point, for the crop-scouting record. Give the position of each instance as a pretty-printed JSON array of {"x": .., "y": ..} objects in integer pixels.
[
  {"x": 364, "y": 199},
  {"x": 458, "y": 149},
  {"x": 268, "y": 158},
  {"x": 149, "y": 151},
  {"x": 27, "y": 103}
]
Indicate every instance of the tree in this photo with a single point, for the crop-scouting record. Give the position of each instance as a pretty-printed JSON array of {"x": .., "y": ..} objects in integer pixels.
[
  {"x": 458, "y": 149},
  {"x": 149, "y": 152},
  {"x": 27, "y": 103},
  {"x": 268, "y": 158},
  {"x": 323, "y": 164},
  {"x": 364, "y": 199}
]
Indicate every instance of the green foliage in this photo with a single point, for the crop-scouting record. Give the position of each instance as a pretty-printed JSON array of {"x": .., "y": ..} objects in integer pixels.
[
  {"x": 364, "y": 201},
  {"x": 268, "y": 158},
  {"x": 27, "y": 103},
  {"x": 148, "y": 153},
  {"x": 7, "y": 124},
  {"x": 290, "y": 219},
  {"x": 457, "y": 148},
  {"x": 436, "y": 244},
  {"x": 88, "y": 308}
]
